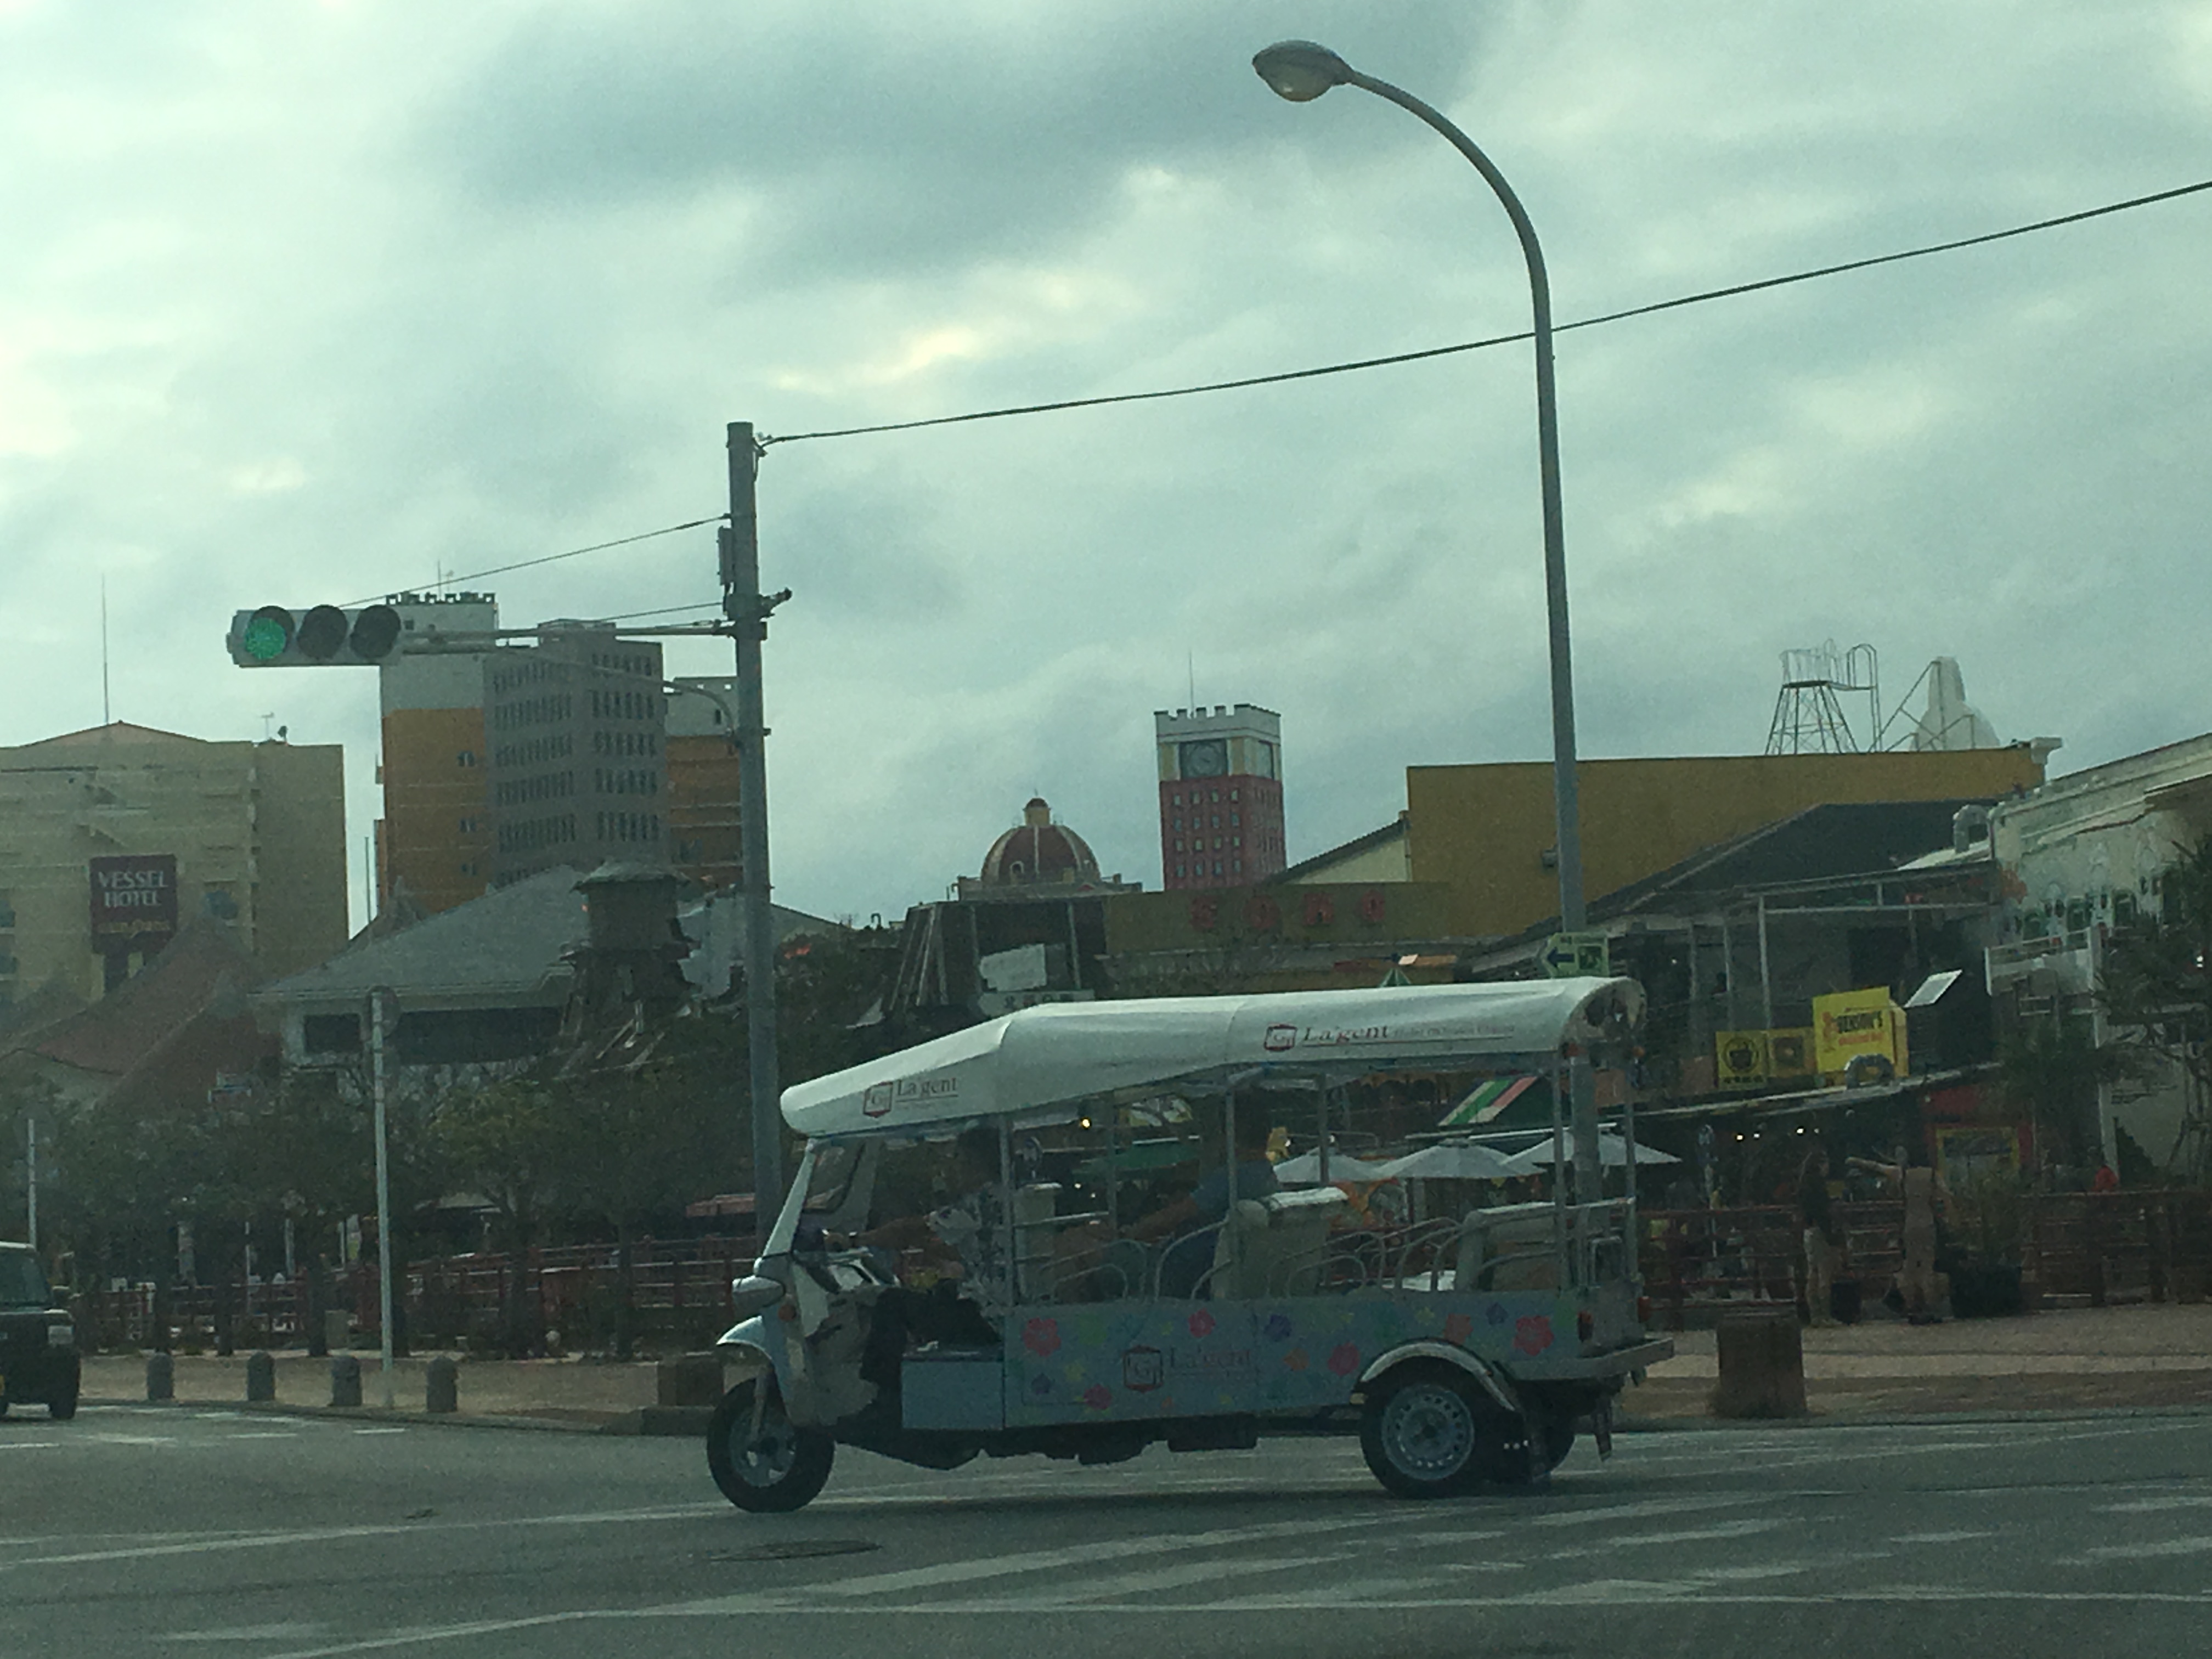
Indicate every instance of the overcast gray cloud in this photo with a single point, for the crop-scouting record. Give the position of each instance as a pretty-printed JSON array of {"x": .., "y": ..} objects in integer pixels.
[{"x": 302, "y": 303}]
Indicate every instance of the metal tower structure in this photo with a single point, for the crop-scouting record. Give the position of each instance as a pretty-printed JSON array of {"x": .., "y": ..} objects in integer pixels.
[{"x": 1809, "y": 714}]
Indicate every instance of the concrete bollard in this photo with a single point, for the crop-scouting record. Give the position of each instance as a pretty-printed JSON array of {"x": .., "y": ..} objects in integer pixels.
[
  {"x": 1762, "y": 1365},
  {"x": 160, "y": 1378},
  {"x": 345, "y": 1379},
  {"x": 260, "y": 1376},
  {"x": 441, "y": 1385},
  {"x": 690, "y": 1379}
]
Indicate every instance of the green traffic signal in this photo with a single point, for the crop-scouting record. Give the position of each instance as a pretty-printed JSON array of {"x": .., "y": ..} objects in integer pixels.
[
  {"x": 269, "y": 635},
  {"x": 324, "y": 635}
]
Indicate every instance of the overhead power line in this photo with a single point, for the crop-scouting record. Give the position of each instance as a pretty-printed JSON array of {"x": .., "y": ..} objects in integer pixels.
[
  {"x": 1674, "y": 304},
  {"x": 712, "y": 607},
  {"x": 1677, "y": 303},
  {"x": 573, "y": 553}
]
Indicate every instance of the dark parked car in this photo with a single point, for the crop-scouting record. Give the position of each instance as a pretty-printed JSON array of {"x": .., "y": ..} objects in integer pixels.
[{"x": 39, "y": 1363}]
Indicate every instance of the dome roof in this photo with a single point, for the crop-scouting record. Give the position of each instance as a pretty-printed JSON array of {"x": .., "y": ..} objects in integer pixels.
[{"x": 1039, "y": 850}]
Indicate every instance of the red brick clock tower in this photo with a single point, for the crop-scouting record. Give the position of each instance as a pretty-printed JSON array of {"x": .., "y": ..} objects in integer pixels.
[{"x": 1221, "y": 796}]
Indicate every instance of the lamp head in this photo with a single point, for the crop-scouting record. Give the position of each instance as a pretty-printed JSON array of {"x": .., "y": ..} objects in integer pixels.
[{"x": 1301, "y": 71}]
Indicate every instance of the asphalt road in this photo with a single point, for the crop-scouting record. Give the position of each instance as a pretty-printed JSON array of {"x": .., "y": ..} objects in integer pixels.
[{"x": 180, "y": 1532}]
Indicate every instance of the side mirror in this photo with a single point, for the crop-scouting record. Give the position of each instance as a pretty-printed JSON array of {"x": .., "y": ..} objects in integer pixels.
[{"x": 753, "y": 1295}]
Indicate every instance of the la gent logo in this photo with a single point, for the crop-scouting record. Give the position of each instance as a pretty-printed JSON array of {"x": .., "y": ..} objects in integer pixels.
[{"x": 879, "y": 1098}]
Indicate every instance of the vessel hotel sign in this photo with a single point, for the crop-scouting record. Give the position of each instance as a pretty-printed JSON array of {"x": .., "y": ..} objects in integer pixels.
[{"x": 134, "y": 894}]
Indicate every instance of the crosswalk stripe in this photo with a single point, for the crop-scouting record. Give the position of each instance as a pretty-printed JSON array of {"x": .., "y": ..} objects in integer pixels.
[{"x": 977, "y": 1569}]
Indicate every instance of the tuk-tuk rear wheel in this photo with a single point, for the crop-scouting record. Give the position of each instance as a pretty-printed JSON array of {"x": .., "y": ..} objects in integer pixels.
[
  {"x": 1423, "y": 1431},
  {"x": 771, "y": 1472}
]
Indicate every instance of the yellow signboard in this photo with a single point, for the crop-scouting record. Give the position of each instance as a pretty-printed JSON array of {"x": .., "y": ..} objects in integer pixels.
[
  {"x": 1790, "y": 1053},
  {"x": 1739, "y": 1059},
  {"x": 1851, "y": 1023}
]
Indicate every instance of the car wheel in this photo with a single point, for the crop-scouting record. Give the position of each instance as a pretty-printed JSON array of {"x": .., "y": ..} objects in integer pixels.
[
  {"x": 771, "y": 1471},
  {"x": 1421, "y": 1431}
]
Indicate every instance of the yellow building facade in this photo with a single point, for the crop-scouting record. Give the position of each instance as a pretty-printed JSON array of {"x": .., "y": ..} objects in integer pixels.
[
  {"x": 1487, "y": 833},
  {"x": 253, "y": 834}
]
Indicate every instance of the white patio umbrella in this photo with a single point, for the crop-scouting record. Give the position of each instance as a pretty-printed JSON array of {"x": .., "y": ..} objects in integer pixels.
[
  {"x": 1450, "y": 1161},
  {"x": 1305, "y": 1169},
  {"x": 1612, "y": 1153}
]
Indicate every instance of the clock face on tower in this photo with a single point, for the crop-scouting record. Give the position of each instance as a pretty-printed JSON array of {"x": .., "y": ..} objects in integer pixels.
[{"x": 1206, "y": 757}]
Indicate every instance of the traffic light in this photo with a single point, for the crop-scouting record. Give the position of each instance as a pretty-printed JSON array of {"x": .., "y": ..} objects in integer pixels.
[{"x": 273, "y": 637}]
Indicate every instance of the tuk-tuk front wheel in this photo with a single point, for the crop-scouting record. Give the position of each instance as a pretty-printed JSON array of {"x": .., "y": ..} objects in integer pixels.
[
  {"x": 1424, "y": 1431},
  {"x": 771, "y": 1468}
]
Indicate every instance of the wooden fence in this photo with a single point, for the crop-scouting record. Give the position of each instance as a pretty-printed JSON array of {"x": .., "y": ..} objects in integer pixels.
[
  {"x": 2140, "y": 1244},
  {"x": 679, "y": 1296},
  {"x": 1696, "y": 1262}
]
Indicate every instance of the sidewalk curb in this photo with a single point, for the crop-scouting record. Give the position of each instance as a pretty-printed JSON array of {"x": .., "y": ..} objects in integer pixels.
[
  {"x": 369, "y": 1414},
  {"x": 649, "y": 1422}
]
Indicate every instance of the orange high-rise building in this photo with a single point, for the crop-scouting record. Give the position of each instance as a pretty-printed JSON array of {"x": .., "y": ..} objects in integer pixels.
[
  {"x": 434, "y": 839},
  {"x": 703, "y": 791}
]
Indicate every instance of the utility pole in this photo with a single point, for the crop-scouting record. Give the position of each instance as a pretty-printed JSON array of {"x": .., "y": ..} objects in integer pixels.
[
  {"x": 376, "y": 1012},
  {"x": 746, "y": 610},
  {"x": 31, "y": 1187}
]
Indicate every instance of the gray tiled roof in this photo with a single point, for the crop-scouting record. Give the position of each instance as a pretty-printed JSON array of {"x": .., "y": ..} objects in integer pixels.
[{"x": 504, "y": 947}]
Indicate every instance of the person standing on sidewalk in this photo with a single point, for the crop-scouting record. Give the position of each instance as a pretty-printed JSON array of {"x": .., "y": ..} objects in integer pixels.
[
  {"x": 1817, "y": 1216},
  {"x": 1916, "y": 1184}
]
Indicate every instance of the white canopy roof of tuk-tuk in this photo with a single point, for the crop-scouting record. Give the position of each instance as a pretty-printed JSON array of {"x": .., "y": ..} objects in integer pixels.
[{"x": 1038, "y": 1058}]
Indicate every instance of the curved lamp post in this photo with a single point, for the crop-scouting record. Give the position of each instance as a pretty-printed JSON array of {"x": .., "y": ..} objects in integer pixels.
[{"x": 1301, "y": 71}]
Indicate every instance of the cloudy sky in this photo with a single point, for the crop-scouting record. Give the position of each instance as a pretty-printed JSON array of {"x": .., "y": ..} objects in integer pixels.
[{"x": 304, "y": 302}]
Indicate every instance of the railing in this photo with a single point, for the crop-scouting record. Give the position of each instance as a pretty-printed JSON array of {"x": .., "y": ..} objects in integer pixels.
[
  {"x": 1695, "y": 1261},
  {"x": 2137, "y": 1244},
  {"x": 680, "y": 1289}
]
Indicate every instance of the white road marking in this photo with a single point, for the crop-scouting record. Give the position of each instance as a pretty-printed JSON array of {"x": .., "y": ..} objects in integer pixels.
[
  {"x": 1940, "y": 1537},
  {"x": 1377, "y": 1596},
  {"x": 108, "y": 1438},
  {"x": 2164, "y": 1546},
  {"x": 1649, "y": 1507},
  {"x": 1777, "y": 1569},
  {"x": 29, "y": 1445},
  {"x": 399, "y": 1431},
  {"x": 2154, "y": 1505},
  {"x": 1436, "y": 1539},
  {"x": 291, "y": 1633},
  {"x": 1179, "y": 1578},
  {"x": 1002, "y": 1567},
  {"x": 216, "y": 1543},
  {"x": 1688, "y": 1535},
  {"x": 265, "y": 1434}
]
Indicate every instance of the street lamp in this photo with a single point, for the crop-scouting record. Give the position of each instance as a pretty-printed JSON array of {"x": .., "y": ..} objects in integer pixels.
[{"x": 1301, "y": 71}]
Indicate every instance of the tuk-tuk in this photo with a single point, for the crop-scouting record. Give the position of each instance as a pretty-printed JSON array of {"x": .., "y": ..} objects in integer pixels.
[{"x": 1464, "y": 1342}]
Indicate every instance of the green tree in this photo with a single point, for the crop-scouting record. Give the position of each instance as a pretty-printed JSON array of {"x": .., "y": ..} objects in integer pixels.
[
  {"x": 2051, "y": 1067},
  {"x": 2156, "y": 990}
]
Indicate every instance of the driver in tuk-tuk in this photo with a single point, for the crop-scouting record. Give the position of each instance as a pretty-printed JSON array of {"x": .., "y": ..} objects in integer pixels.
[{"x": 964, "y": 1243}]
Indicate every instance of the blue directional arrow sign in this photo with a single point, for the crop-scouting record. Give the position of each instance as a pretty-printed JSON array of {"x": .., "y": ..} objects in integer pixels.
[{"x": 1576, "y": 956}]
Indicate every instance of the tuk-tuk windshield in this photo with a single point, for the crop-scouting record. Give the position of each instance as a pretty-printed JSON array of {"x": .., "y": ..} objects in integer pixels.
[{"x": 23, "y": 1283}]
